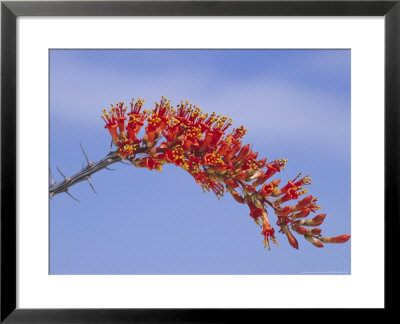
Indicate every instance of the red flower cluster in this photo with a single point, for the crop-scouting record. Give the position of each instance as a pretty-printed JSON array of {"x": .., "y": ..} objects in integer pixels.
[{"x": 198, "y": 143}]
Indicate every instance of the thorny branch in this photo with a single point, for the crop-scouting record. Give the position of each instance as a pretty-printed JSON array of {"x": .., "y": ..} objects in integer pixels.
[
  {"x": 86, "y": 172},
  {"x": 83, "y": 175},
  {"x": 198, "y": 143}
]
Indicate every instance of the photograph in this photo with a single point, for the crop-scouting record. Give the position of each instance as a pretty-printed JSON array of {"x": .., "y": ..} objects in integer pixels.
[{"x": 199, "y": 161}]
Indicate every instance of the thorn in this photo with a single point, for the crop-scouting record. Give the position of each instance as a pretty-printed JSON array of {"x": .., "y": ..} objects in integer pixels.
[
  {"x": 83, "y": 164},
  {"x": 61, "y": 173},
  {"x": 109, "y": 169},
  {"x": 111, "y": 146},
  {"x": 51, "y": 177},
  {"x": 67, "y": 192},
  {"x": 84, "y": 153},
  {"x": 88, "y": 180}
]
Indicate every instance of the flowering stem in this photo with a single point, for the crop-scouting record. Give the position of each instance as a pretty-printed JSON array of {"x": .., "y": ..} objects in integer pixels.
[
  {"x": 83, "y": 175},
  {"x": 197, "y": 142}
]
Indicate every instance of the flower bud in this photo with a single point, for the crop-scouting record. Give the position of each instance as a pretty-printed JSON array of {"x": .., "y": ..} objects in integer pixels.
[
  {"x": 241, "y": 176},
  {"x": 300, "y": 230},
  {"x": 260, "y": 180},
  {"x": 303, "y": 213},
  {"x": 315, "y": 231},
  {"x": 261, "y": 163},
  {"x": 230, "y": 154},
  {"x": 292, "y": 240},
  {"x": 237, "y": 196},
  {"x": 316, "y": 221},
  {"x": 338, "y": 239},
  {"x": 245, "y": 149},
  {"x": 314, "y": 241},
  {"x": 255, "y": 175},
  {"x": 284, "y": 212},
  {"x": 231, "y": 183},
  {"x": 304, "y": 202}
]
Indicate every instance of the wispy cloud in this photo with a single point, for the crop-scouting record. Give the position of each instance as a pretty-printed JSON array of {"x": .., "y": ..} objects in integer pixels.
[{"x": 268, "y": 105}]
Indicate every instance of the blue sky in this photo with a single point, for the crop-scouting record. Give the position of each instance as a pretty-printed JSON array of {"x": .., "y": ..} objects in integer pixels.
[{"x": 295, "y": 104}]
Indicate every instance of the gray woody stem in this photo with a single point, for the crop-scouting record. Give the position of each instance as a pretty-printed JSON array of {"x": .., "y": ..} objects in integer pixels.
[{"x": 83, "y": 175}]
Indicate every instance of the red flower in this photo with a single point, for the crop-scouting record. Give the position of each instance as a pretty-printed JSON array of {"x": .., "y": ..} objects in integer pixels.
[
  {"x": 292, "y": 193},
  {"x": 136, "y": 119},
  {"x": 111, "y": 125},
  {"x": 269, "y": 188},
  {"x": 255, "y": 212},
  {"x": 267, "y": 231},
  {"x": 119, "y": 112},
  {"x": 126, "y": 147},
  {"x": 274, "y": 167},
  {"x": 243, "y": 152},
  {"x": 232, "y": 151}
]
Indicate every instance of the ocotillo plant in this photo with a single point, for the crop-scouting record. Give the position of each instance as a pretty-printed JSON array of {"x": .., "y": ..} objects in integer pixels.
[{"x": 200, "y": 145}]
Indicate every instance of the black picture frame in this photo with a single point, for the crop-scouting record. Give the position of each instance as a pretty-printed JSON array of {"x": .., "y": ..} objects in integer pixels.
[{"x": 10, "y": 10}]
